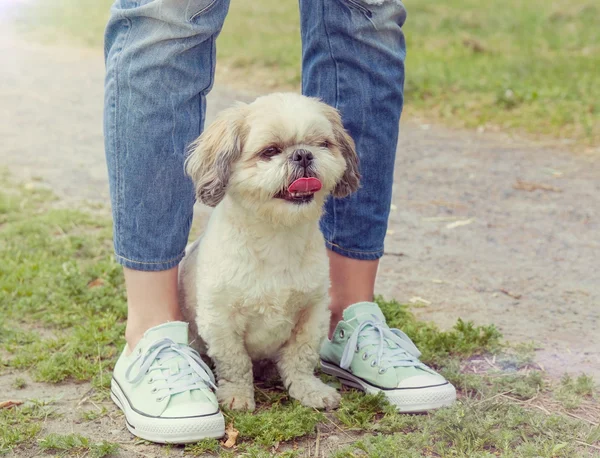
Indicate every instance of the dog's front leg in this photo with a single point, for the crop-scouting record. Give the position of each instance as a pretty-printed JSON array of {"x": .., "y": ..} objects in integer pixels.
[
  {"x": 235, "y": 388},
  {"x": 298, "y": 358}
]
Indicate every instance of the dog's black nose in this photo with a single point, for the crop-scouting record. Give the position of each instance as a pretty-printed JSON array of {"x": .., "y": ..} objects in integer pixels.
[{"x": 302, "y": 157}]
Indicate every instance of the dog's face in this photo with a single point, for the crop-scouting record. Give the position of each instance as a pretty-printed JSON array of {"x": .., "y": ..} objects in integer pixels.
[{"x": 279, "y": 157}]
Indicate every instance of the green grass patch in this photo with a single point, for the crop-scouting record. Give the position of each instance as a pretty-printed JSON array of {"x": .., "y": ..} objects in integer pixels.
[
  {"x": 76, "y": 445},
  {"x": 19, "y": 425},
  {"x": 276, "y": 423},
  {"x": 527, "y": 67},
  {"x": 62, "y": 293}
]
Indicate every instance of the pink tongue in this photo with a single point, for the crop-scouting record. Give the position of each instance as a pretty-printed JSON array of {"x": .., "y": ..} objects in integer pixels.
[{"x": 305, "y": 185}]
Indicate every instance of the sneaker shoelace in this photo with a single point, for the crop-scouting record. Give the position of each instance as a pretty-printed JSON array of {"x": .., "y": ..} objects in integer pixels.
[
  {"x": 192, "y": 373},
  {"x": 394, "y": 347}
]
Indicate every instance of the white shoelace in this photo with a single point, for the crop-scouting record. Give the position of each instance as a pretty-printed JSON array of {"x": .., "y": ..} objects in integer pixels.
[
  {"x": 395, "y": 349},
  {"x": 192, "y": 373}
]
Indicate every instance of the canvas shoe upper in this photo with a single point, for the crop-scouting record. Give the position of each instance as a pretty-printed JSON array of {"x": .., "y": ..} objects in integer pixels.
[
  {"x": 165, "y": 389},
  {"x": 365, "y": 353}
]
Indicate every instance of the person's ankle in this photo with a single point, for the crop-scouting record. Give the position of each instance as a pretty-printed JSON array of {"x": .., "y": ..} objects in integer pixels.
[
  {"x": 336, "y": 317},
  {"x": 136, "y": 328}
]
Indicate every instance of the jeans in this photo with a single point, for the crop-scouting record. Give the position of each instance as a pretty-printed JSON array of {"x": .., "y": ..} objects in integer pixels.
[{"x": 160, "y": 62}]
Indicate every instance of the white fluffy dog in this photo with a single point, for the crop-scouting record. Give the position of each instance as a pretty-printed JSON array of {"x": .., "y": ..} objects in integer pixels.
[{"x": 256, "y": 283}]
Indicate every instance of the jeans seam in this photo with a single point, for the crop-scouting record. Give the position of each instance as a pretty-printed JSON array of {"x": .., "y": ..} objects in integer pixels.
[
  {"x": 202, "y": 11},
  {"x": 353, "y": 251},
  {"x": 149, "y": 263},
  {"x": 119, "y": 172},
  {"x": 337, "y": 98}
]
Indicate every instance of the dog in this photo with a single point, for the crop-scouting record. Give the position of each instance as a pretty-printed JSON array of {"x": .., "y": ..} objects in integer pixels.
[{"x": 255, "y": 285}]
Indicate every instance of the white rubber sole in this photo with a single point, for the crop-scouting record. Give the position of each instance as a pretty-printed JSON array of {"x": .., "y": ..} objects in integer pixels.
[
  {"x": 167, "y": 430},
  {"x": 408, "y": 400}
]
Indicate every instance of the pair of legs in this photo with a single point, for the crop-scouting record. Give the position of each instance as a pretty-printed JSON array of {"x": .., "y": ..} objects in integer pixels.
[
  {"x": 152, "y": 296},
  {"x": 160, "y": 58}
]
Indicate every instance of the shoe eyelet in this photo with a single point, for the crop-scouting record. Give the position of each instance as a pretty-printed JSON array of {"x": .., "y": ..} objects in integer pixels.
[
  {"x": 356, "y": 349},
  {"x": 383, "y": 371},
  {"x": 364, "y": 356},
  {"x": 159, "y": 399},
  {"x": 373, "y": 363},
  {"x": 150, "y": 381},
  {"x": 342, "y": 333},
  {"x": 154, "y": 390}
]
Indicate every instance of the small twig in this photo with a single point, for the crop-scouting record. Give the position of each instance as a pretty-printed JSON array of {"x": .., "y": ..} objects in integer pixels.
[
  {"x": 518, "y": 401},
  {"x": 263, "y": 392},
  {"x": 387, "y": 253},
  {"x": 495, "y": 396},
  {"x": 491, "y": 363},
  {"x": 83, "y": 400},
  {"x": 100, "y": 367},
  {"x": 582, "y": 419},
  {"x": 508, "y": 293},
  {"x": 329, "y": 420},
  {"x": 529, "y": 401},
  {"x": 587, "y": 445},
  {"x": 317, "y": 442},
  {"x": 96, "y": 406},
  {"x": 542, "y": 408}
]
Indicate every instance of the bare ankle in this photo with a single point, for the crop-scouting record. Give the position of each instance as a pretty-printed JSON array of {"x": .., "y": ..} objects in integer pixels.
[
  {"x": 352, "y": 281},
  {"x": 151, "y": 300},
  {"x": 335, "y": 319}
]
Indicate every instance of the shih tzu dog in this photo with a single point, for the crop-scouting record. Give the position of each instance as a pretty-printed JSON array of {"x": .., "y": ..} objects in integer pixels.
[{"x": 255, "y": 285}]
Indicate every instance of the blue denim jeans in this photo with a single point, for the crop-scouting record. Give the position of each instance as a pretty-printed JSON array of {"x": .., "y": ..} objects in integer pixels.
[{"x": 160, "y": 62}]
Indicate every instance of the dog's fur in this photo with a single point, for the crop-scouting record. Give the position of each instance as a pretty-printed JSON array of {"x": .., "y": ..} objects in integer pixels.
[{"x": 256, "y": 283}]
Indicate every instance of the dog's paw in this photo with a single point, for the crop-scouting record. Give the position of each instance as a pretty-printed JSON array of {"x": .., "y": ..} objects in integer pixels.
[
  {"x": 236, "y": 396},
  {"x": 314, "y": 393}
]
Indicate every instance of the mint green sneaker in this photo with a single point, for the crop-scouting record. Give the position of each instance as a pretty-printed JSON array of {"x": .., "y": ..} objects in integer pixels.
[
  {"x": 165, "y": 390},
  {"x": 366, "y": 354}
]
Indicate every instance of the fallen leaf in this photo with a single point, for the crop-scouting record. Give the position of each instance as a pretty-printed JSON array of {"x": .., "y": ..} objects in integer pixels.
[
  {"x": 95, "y": 283},
  {"x": 275, "y": 447},
  {"x": 531, "y": 186},
  {"x": 554, "y": 173},
  {"x": 9, "y": 404},
  {"x": 474, "y": 45},
  {"x": 513, "y": 295},
  {"x": 462, "y": 222},
  {"x": 419, "y": 300},
  {"x": 232, "y": 435},
  {"x": 441, "y": 218}
]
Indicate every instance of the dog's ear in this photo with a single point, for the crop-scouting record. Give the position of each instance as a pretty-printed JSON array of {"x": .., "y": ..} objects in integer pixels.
[
  {"x": 212, "y": 155},
  {"x": 350, "y": 181}
]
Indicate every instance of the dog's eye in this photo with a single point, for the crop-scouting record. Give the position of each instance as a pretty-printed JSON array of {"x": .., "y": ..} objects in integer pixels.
[
  {"x": 270, "y": 151},
  {"x": 324, "y": 144}
]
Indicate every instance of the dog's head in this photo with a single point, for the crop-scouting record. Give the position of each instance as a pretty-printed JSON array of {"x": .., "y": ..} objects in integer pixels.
[{"x": 279, "y": 157}]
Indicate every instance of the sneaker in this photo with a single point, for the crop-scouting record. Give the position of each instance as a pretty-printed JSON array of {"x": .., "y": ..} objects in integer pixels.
[
  {"x": 165, "y": 390},
  {"x": 366, "y": 354}
]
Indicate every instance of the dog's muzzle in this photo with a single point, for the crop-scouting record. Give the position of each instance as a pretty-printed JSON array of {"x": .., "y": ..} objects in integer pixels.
[{"x": 304, "y": 184}]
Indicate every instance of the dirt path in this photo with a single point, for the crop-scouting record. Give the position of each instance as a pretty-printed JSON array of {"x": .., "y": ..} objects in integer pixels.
[{"x": 464, "y": 235}]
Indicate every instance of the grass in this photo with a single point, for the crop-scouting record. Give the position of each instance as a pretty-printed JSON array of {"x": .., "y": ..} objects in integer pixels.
[
  {"x": 76, "y": 445},
  {"x": 528, "y": 67},
  {"x": 22, "y": 424},
  {"x": 63, "y": 321}
]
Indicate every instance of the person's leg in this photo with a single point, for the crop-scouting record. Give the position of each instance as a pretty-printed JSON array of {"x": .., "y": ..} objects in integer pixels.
[
  {"x": 160, "y": 57},
  {"x": 353, "y": 59},
  {"x": 353, "y": 56}
]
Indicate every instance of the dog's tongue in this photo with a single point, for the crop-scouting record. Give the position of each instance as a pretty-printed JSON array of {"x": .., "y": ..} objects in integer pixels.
[{"x": 305, "y": 185}]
